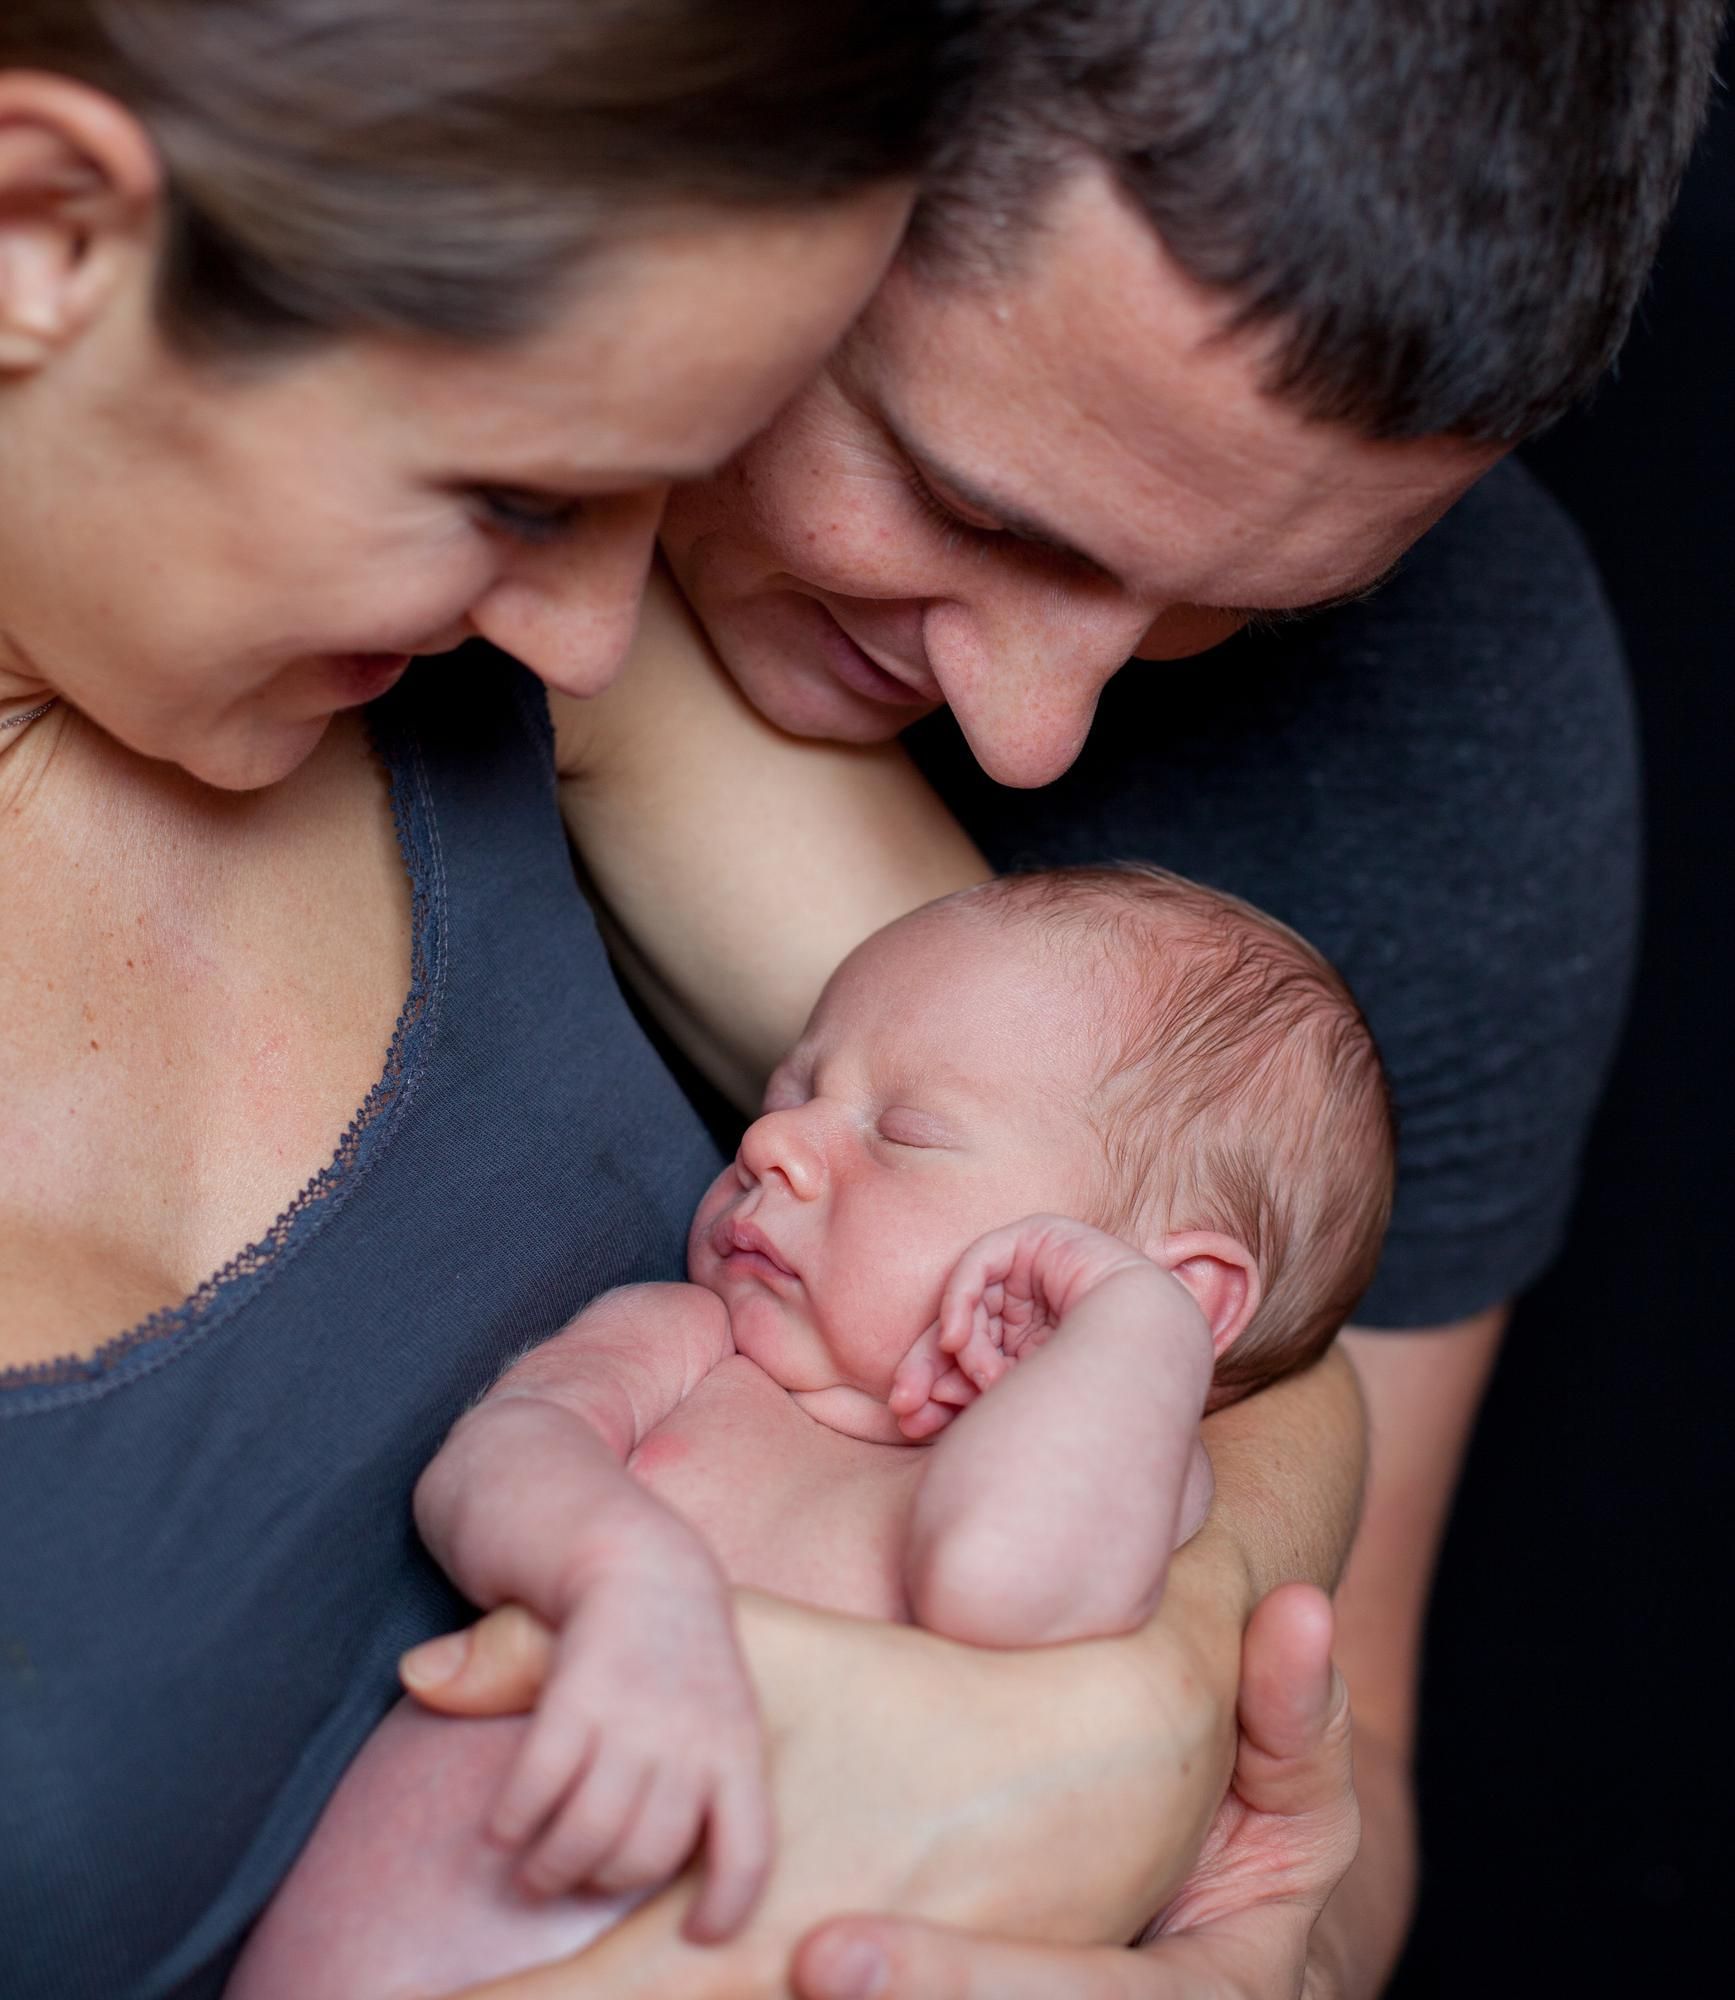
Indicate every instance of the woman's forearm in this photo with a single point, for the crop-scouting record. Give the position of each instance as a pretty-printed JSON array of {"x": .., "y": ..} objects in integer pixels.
[{"x": 738, "y": 865}]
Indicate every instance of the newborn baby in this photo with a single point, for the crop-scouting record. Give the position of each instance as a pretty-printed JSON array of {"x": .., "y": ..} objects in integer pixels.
[{"x": 882, "y": 1393}]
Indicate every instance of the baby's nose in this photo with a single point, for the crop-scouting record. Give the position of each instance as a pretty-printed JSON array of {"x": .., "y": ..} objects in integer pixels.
[{"x": 781, "y": 1146}]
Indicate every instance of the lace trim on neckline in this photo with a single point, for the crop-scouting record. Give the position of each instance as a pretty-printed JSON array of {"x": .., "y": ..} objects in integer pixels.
[{"x": 240, "y": 1280}]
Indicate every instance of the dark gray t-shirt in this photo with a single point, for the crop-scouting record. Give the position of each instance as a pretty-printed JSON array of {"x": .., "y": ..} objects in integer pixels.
[{"x": 1438, "y": 787}]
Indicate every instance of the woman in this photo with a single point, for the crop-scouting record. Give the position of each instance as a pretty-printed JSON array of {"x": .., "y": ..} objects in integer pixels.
[
  {"x": 328, "y": 337},
  {"x": 326, "y": 346}
]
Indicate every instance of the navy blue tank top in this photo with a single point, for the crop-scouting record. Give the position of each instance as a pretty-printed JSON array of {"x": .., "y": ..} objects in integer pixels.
[{"x": 207, "y": 1561}]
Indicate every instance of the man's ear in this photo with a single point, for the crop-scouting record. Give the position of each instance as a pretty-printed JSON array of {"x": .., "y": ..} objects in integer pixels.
[
  {"x": 1221, "y": 1275},
  {"x": 79, "y": 183}
]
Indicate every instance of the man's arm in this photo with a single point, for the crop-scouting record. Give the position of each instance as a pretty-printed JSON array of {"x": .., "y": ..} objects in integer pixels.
[
  {"x": 738, "y": 865},
  {"x": 1422, "y": 1392}
]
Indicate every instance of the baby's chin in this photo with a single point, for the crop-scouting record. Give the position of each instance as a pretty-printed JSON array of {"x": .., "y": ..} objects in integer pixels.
[{"x": 852, "y": 1411}]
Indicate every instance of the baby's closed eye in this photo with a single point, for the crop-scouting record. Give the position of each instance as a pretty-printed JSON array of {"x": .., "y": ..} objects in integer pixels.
[{"x": 902, "y": 1126}]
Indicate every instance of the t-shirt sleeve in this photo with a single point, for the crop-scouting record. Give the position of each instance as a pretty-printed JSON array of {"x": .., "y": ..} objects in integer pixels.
[{"x": 1438, "y": 786}]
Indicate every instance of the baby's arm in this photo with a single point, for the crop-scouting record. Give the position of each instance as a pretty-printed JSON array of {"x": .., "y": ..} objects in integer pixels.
[
  {"x": 646, "y": 1734},
  {"x": 1049, "y": 1510}
]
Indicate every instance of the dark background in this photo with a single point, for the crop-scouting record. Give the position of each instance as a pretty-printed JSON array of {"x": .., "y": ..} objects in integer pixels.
[{"x": 1578, "y": 1781}]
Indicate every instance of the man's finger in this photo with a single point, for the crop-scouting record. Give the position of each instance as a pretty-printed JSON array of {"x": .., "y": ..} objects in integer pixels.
[
  {"x": 497, "y": 1667},
  {"x": 874, "y": 1959}
]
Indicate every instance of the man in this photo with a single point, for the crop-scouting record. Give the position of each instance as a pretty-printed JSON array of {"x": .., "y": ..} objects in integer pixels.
[{"x": 1222, "y": 306}]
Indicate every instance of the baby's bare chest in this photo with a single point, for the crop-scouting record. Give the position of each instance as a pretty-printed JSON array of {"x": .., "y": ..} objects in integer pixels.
[{"x": 787, "y": 1505}]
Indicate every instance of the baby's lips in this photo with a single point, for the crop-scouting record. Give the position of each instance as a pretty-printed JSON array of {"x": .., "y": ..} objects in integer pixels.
[{"x": 733, "y": 1232}]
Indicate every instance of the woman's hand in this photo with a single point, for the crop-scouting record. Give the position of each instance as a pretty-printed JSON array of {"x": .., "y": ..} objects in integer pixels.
[
  {"x": 1054, "y": 1794},
  {"x": 1241, "y": 1926}
]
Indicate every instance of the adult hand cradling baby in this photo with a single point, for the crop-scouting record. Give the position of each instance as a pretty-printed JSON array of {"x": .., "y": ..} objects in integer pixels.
[{"x": 1278, "y": 1846}]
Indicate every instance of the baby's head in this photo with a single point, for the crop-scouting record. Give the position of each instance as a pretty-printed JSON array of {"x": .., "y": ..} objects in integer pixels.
[
  {"x": 1239, "y": 1091},
  {"x": 1118, "y": 1045}
]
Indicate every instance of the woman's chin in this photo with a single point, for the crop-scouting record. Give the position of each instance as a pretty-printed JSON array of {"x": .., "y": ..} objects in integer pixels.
[{"x": 252, "y": 756}]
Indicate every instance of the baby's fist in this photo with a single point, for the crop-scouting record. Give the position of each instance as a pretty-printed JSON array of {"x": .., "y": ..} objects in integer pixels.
[
  {"x": 646, "y": 1742},
  {"x": 1013, "y": 1287}
]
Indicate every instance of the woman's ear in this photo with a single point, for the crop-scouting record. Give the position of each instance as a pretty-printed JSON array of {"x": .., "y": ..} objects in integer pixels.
[
  {"x": 1221, "y": 1275},
  {"x": 79, "y": 184}
]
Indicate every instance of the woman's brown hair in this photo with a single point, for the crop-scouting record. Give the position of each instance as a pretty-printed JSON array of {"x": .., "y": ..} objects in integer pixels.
[{"x": 442, "y": 166}]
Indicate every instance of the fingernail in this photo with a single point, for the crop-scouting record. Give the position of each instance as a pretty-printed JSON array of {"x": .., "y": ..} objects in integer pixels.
[
  {"x": 432, "y": 1664},
  {"x": 853, "y": 1971}
]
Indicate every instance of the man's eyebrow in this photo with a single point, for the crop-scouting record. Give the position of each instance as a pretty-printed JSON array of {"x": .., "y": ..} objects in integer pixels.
[
  {"x": 1017, "y": 521},
  {"x": 1031, "y": 528}
]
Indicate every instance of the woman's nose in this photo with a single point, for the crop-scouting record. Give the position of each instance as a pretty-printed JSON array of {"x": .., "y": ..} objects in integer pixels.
[
  {"x": 568, "y": 608},
  {"x": 783, "y": 1145}
]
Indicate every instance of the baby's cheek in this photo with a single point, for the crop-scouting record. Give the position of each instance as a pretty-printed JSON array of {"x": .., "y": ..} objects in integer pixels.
[{"x": 870, "y": 1351}]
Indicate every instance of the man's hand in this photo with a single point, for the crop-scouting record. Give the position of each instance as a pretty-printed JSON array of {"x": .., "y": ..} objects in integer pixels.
[{"x": 1241, "y": 1925}]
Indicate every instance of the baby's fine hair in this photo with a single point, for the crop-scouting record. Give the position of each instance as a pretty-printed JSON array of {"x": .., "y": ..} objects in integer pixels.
[{"x": 1241, "y": 1091}]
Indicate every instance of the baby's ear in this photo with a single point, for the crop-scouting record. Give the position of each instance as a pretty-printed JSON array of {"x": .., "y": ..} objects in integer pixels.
[{"x": 1221, "y": 1275}]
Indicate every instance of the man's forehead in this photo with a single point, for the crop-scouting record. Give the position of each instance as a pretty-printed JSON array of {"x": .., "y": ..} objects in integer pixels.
[{"x": 1100, "y": 395}]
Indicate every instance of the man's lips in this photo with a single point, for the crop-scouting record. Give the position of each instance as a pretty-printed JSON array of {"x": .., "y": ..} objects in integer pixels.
[
  {"x": 736, "y": 1240},
  {"x": 864, "y": 676}
]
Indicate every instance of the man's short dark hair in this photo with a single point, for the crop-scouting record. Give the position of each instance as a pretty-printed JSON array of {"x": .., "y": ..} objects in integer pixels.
[{"x": 1444, "y": 209}]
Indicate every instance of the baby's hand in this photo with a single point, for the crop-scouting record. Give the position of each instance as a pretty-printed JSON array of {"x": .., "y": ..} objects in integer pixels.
[
  {"x": 645, "y": 1741},
  {"x": 1012, "y": 1288},
  {"x": 928, "y": 1389},
  {"x": 1006, "y": 1295}
]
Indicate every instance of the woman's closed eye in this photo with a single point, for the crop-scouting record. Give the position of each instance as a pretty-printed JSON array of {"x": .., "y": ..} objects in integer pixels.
[{"x": 525, "y": 514}]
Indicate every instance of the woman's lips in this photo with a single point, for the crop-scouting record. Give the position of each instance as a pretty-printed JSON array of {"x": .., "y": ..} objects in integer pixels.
[
  {"x": 366, "y": 676},
  {"x": 849, "y": 664}
]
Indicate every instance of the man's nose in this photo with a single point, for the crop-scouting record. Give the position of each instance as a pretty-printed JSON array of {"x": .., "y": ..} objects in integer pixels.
[
  {"x": 785, "y": 1146},
  {"x": 1024, "y": 683},
  {"x": 568, "y": 607}
]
